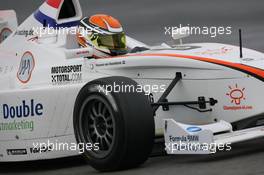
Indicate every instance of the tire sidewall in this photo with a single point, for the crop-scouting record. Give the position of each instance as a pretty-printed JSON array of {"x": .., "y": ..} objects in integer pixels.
[{"x": 122, "y": 128}]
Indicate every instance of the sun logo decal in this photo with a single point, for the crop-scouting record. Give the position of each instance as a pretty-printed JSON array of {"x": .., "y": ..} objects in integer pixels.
[{"x": 236, "y": 94}]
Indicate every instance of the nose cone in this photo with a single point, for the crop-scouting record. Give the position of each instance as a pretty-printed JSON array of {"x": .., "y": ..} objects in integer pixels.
[{"x": 59, "y": 13}]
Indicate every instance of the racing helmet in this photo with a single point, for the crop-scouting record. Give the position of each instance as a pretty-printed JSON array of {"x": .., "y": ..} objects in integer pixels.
[{"x": 104, "y": 33}]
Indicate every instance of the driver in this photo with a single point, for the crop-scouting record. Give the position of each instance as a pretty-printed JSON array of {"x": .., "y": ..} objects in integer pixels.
[{"x": 104, "y": 34}]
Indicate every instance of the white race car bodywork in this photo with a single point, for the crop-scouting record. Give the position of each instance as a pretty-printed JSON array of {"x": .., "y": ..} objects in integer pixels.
[{"x": 37, "y": 98}]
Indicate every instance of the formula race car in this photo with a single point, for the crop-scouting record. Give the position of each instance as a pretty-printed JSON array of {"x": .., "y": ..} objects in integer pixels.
[{"x": 56, "y": 101}]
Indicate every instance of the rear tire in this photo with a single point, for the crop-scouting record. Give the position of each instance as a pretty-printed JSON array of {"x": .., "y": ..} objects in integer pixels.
[{"x": 123, "y": 124}]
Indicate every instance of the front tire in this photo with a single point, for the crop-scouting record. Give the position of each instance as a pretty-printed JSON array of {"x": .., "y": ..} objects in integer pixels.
[{"x": 121, "y": 122}]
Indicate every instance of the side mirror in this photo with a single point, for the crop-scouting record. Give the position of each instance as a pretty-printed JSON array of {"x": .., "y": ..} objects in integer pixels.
[{"x": 181, "y": 33}]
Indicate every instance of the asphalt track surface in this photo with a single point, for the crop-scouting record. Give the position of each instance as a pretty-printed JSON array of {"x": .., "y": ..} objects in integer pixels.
[{"x": 145, "y": 20}]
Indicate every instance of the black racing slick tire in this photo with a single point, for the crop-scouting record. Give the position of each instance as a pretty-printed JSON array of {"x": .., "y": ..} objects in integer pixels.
[{"x": 120, "y": 123}]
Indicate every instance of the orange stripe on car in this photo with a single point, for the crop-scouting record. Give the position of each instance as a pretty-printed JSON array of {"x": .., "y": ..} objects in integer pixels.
[{"x": 256, "y": 72}]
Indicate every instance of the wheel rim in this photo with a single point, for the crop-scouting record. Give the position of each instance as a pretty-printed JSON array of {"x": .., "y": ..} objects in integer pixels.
[{"x": 97, "y": 125}]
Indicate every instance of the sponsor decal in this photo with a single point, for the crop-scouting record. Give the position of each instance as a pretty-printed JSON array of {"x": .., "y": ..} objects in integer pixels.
[
  {"x": 114, "y": 63},
  {"x": 26, "y": 67},
  {"x": 17, "y": 126},
  {"x": 66, "y": 74},
  {"x": 42, "y": 149},
  {"x": 25, "y": 33},
  {"x": 16, "y": 152},
  {"x": 20, "y": 114},
  {"x": 221, "y": 51},
  {"x": 35, "y": 38},
  {"x": 4, "y": 34},
  {"x": 237, "y": 96},
  {"x": 23, "y": 110},
  {"x": 83, "y": 52},
  {"x": 194, "y": 129},
  {"x": 184, "y": 138}
]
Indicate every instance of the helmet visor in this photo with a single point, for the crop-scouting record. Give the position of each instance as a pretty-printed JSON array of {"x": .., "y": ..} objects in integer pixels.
[{"x": 114, "y": 41}]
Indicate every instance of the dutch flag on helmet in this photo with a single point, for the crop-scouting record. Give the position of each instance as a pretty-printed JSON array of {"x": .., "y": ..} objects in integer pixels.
[{"x": 59, "y": 13}]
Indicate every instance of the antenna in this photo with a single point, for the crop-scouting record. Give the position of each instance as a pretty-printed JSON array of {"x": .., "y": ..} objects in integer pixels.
[{"x": 240, "y": 43}]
